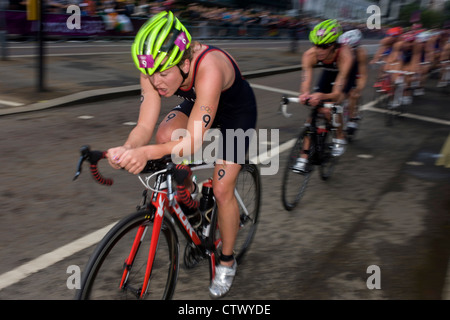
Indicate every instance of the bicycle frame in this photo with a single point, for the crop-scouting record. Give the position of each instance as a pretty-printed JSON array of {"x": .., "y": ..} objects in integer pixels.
[
  {"x": 400, "y": 85},
  {"x": 165, "y": 206},
  {"x": 336, "y": 109},
  {"x": 446, "y": 73},
  {"x": 318, "y": 129},
  {"x": 162, "y": 200}
]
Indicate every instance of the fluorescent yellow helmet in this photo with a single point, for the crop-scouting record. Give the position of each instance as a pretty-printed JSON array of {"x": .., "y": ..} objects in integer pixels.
[{"x": 162, "y": 36}]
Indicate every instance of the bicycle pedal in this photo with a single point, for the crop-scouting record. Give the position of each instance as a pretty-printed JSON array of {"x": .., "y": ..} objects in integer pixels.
[{"x": 192, "y": 256}]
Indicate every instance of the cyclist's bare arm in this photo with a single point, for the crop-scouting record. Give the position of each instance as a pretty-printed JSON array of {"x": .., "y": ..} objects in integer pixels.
[
  {"x": 362, "y": 68},
  {"x": 308, "y": 61},
  {"x": 148, "y": 116},
  {"x": 345, "y": 62},
  {"x": 445, "y": 54},
  {"x": 395, "y": 56},
  {"x": 384, "y": 44},
  {"x": 429, "y": 51},
  {"x": 214, "y": 75}
]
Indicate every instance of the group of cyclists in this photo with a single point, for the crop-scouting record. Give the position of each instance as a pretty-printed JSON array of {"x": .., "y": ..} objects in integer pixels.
[
  {"x": 418, "y": 51},
  {"x": 415, "y": 50},
  {"x": 216, "y": 95}
]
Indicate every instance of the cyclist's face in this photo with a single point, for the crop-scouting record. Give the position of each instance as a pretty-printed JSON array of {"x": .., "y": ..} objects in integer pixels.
[
  {"x": 323, "y": 51},
  {"x": 167, "y": 82}
]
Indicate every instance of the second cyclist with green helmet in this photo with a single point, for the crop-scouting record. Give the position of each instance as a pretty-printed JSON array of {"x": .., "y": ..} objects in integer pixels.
[
  {"x": 214, "y": 93},
  {"x": 337, "y": 61}
]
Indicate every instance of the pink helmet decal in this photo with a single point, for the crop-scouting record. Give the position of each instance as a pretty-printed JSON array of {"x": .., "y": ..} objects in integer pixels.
[
  {"x": 146, "y": 61},
  {"x": 181, "y": 41},
  {"x": 321, "y": 32}
]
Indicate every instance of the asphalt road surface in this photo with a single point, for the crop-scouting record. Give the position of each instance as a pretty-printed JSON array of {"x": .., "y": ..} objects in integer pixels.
[{"x": 386, "y": 206}]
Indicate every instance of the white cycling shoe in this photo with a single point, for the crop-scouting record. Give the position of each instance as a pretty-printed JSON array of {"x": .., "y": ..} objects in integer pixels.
[
  {"x": 339, "y": 146},
  {"x": 223, "y": 280},
  {"x": 300, "y": 166}
]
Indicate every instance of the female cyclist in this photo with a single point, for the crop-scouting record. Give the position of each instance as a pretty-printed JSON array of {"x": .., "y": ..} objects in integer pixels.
[
  {"x": 337, "y": 61},
  {"x": 209, "y": 81},
  {"x": 357, "y": 77}
]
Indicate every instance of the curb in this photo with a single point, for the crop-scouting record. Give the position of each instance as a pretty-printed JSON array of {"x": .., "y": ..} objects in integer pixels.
[{"x": 117, "y": 92}]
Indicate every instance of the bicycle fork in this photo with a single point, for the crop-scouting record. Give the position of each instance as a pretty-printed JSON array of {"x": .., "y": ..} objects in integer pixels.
[{"x": 159, "y": 204}]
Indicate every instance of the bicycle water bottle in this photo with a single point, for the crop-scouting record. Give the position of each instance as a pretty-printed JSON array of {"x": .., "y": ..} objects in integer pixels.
[
  {"x": 207, "y": 200},
  {"x": 206, "y": 204}
]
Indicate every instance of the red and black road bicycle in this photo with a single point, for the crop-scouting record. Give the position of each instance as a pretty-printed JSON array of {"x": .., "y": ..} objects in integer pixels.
[{"x": 139, "y": 257}]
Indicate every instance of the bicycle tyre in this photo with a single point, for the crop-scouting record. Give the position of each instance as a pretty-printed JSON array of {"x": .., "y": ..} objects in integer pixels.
[
  {"x": 328, "y": 161},
  {"x": 294, "y": 184},
  {"x": 390, "y": 113},
  {"x": 103, "y": 273},
  {"x": 248, "y": 186}
]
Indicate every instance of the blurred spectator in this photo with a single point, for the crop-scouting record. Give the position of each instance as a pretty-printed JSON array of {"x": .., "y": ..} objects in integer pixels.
[
  {"x": 114, "y": 16},
  {"x": 17, "y": 5},
  {"x": 142, "y": 9},
  {"x": 89, "y": 8},
  {"x": 57, "y": 6}
]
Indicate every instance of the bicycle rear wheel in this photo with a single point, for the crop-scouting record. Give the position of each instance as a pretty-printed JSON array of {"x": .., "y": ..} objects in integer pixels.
[
  {"x": 328, "y": 161},
  {"x": 294, "y": 184},
  {"x": 394, "y": 105},
  {"x": 104, "y": 272},
  {"x": 248, "y": 195},
  {"x": 391, "y": 109}
]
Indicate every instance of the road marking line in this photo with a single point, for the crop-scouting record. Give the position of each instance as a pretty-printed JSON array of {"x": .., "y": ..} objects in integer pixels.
[
  {"x": 262, "y": 87},
  {"x": 48, "y": 259},
  {"x": 365, "y": 156},
  {"x": 368, "y": 106},
  {"x": 269, "y": 154},
  {"x": 415, "y": 163},
  {"x": 11, "y": 103}
]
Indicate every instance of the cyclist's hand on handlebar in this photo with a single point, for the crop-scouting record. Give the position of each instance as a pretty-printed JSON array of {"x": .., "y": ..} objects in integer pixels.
[
  {"x": 133, "y": 160},
  {"x": 315, "y": 99},
  {"x": 114, "y": 156},
  {"x": 304, "y": 97}
]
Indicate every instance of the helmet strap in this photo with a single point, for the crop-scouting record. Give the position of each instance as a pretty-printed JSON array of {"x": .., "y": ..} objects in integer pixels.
[{"x": 183, "y": 74}]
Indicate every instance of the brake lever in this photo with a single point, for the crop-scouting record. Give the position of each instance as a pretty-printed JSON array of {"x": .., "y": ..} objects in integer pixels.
[
  {"x": 283, "y": 107},
  {"x": 85, "y": 150}
]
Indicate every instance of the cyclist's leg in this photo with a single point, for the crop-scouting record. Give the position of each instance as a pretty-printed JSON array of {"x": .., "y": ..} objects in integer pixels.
[
  {"x": 351, "y": 95},
  {"x": 339, "y": 141},
  {"x": 224, "y": 180},
  {"x": 353, "y": 111},
  {"x": 237, "y": 131},
  {"x": 324, "y": 85},
  {"x": 407, "y": 92},
  {"x": 301, "y": 165},
  {"x": 177, "y": 118},
  {"x": 228, "y": 165},
  {"x": 444, "y": 61}
]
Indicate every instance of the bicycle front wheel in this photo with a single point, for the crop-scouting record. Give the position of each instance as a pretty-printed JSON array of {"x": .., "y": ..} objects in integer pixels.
[
  {"x": 112, "y": 274},
  {"x": 248, "y": 195},
  {"x": 294, "y": 184}
]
